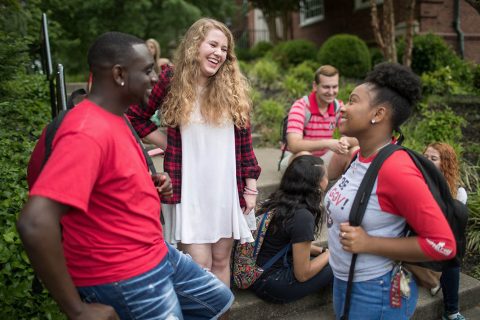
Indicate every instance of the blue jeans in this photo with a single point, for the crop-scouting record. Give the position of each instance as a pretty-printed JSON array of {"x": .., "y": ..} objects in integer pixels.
[
  {"x": 450, "y": 281},
  {"x": 177, "y": 288},
  {"x": 280, "y": 286},
  {"x": 370, "y": 299}
]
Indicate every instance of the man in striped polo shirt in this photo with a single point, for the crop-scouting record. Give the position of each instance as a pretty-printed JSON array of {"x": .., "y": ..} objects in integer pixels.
[{"x": 315, "y": 135}]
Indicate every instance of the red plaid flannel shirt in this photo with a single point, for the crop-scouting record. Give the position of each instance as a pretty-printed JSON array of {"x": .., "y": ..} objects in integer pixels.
[
  {"x": 246, "y": 162},
  {"x": 140, "y": 114}
]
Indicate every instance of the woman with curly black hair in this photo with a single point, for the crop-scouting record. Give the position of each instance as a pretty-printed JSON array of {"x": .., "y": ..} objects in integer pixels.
[
  {"x": 400, "y": 196},
  {"x": 298, "y": 212}
]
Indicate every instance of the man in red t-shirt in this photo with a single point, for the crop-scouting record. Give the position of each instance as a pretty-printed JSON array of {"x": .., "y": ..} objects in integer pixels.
[{"x": 109, "y": 260}]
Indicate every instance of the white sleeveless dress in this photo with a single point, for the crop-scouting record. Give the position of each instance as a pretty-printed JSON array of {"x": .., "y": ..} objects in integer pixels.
[{"x": 209, "y": 209}]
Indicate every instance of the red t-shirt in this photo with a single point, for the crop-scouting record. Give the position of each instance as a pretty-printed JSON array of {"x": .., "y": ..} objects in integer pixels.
[{"x": 113, "y": 230}]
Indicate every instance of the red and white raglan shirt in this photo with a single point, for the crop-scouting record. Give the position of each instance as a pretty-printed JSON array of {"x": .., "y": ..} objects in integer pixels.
[
  {"x": 320, "y": 126},
  {"x": 399, "y": 196}
]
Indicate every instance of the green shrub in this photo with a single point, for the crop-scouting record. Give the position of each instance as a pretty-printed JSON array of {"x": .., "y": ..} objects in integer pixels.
[
  {"x": 260, "y": 49},
  {"x": 376, "y": 56},
  {"x": 476, "y": 76},
  {"x": 243, "y": 54},
  {"x": 348, "y": 53},
  {"x": 294, "y": 87},
  {"x": 440, "y": 82},
  {"x": 345, "y": 89},
  {"x": 435, "y": 124},
  {"x": 430, "y": 52},
  {"x": 24, "y": 111},
  {"x": 244, "y": 67},
  {"x": 293, "y": 52},
  {"x": 268, "y": 118},
  {"x": 473, "y": 229},
  {"x": 264, "y": 73},
  {"x": 305, "y": 71}
]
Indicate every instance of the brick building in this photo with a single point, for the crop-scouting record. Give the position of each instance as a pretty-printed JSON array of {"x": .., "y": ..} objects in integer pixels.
[{"x": 320, "y": 19}]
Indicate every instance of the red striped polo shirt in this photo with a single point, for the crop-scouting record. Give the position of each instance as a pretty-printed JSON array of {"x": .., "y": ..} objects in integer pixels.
[{"x": 320, "y": 126}]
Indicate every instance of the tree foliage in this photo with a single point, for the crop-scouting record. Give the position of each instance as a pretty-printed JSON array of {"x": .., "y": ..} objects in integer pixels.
[{"x": 74, "y": 24}]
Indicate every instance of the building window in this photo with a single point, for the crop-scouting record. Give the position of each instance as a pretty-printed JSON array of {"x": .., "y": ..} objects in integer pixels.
[
  {"x": 311, "y": 11},
  {"x": 362, "y": 4}
]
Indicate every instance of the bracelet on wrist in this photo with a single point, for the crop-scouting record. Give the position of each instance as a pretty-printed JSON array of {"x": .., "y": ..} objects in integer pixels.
[{"x": 246, "y": 189}]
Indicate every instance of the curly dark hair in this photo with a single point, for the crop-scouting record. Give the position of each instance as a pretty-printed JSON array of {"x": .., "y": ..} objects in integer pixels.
[
  {"x": 398, "y": 87},
  {"x": 299, "y": 188}
]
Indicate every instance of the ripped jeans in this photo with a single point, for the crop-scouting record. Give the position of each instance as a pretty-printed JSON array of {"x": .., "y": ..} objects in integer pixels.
[{"x": 177, "y": 288}]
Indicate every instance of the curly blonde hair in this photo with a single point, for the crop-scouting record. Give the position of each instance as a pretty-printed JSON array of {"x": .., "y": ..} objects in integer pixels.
[
  {"x": 226, "y": 93},
  {"x": 448, "y": 165}
]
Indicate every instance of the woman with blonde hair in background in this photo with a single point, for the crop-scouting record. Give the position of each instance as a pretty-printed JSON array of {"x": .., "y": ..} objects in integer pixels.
[
  {"x": 154, "y": 48},
  {"x": 445, "y": 159},
  {"x": 209, "y": 153}
]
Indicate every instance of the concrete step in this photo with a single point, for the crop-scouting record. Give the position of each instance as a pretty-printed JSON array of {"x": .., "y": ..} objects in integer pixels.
[
  {"x": 247, "y": 306},
  {"x": 319, "y": 306}
]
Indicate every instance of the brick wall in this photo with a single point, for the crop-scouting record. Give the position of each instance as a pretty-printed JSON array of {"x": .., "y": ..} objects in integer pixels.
[{"x": 435, "y": 16}]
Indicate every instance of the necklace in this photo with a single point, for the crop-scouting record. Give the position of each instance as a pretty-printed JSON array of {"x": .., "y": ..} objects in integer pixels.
[
  {"x": 354, "y": 164},
  {"x": 378, "y": 149}
]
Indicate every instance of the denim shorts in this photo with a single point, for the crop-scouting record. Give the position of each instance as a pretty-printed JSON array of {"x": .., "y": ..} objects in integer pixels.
[
  {"x": 177, "y": 288},
  {"x": 370, "y": 300}
]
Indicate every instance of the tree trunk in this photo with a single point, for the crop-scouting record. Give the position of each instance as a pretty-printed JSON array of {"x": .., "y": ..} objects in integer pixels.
[
  {"x": 475, "y": 4},
  {"x": 375, "y": 27},
  {"x": 272, "y": 28},
  {"x": 389, "y": 31},
  {"x": 286, "y": 25},
  {"x": 407, "y": 54}
]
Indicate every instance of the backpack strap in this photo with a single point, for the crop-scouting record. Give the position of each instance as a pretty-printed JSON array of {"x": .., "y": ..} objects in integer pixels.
[
  {"x": 274, "y": 259},
  {"x": 148, "y": 159},
  {"x": 358, "y": 210},
  {"x": 308, "y": 113},
  {"x": 336, "y": 110},
  {"x": 308, "y": 116},
  {"x": 50, "y": 133}
]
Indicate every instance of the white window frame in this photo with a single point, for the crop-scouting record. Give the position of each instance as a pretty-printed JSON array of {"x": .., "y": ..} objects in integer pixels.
[
  {"x": 362, "y": 4},
  {"x": 318, "y": 4}
]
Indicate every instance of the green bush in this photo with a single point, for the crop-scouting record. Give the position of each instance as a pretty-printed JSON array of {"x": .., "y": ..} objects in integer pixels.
[
  {"x": 243, "y": 54},
  {"x": 244, "y": 67},
  {"x": 345, "y": 89},
  {"x": 348, "y": 53},
  {"x": 430, "y": 53},
  {"x": 268, "y": 119},
  {"x": 264, "y": 73},
  {"x": 293, "y": 52},
  {"x": 299, "y": 78},
  {"x": 305, "y": 71},
  {"x": 440, "y": 82},
  {"x": 376, "y": 56},
  {"x": 24, "y": 111},
  {"x": 294, "y": 86},
  {"x": 473, "y": 229},
  {"x": 260, "y": 49},
  {"x": 476, "y": 76},
  {"x": 435, "y": 124}
]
